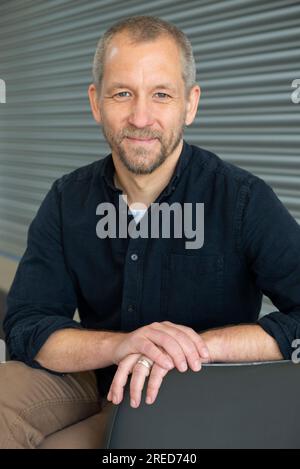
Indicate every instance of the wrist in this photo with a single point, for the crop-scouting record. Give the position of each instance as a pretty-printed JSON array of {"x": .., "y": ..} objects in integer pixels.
[
  {"x": 212, "y": 340},
  {"x": 113, "y": 346}
]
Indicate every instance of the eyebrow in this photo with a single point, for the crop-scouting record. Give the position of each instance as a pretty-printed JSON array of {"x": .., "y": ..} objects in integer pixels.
[{"x": 166, "y": 86}]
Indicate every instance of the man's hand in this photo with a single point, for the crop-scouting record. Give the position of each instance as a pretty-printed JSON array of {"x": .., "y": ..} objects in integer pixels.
[
  {"x": 129, "y": 364},
  {"x": 139, "y": 372},
  {"x": 164, "y": 343}
]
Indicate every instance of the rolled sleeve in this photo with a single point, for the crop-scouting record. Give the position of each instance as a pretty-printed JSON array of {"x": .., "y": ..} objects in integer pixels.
[
  {"x": 271, "y": 245},
  {"x": 42, "y": 298}
]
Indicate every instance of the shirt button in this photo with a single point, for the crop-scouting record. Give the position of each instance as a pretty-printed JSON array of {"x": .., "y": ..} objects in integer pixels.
[
  {"x": 130, "y": 308},
  {"x": 134, "y": 257}
]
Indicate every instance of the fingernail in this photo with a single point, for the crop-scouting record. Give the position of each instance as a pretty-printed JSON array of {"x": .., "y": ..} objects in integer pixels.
[
  {"x": 133, "y": 403},
  {"x": 148, "y": 400},
  {"x": 183, "y": 366},
  {"x": 197, "y": 365},
  {"x": 205, "y": 354},
  {"x": 168, "y": 363}
]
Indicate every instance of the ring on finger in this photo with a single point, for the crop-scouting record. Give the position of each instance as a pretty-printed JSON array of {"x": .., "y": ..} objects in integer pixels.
[{"x": 146, "y": 362}]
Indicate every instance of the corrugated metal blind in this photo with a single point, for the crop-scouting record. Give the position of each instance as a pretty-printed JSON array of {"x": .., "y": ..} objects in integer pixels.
[{"x": 247, "y": 53}]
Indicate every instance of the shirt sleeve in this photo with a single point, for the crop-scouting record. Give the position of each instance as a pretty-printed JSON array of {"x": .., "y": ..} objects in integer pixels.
[
  {"x": 270, "y": 241},
  {"x": 42, "y": 298}
]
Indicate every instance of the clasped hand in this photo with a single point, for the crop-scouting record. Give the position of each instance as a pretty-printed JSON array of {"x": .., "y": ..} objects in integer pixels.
[{"x": 166, "y": 345}]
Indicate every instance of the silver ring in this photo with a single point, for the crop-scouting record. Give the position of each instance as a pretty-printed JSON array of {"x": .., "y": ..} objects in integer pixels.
[{"x": 145, "y": 362}]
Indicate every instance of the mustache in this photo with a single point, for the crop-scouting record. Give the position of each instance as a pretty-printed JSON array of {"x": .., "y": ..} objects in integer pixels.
[{"x": 146, "y": 133}]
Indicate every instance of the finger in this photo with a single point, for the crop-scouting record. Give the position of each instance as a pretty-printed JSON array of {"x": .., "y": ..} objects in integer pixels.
[
  {"x": 191, "y": 352},
  {"x": 154, "y": 382},
  {"x": 148, "y": 343},
  {"x": 156, "y": 335},
  {"x": 196, "y": 338},
  {"x": 139, "y": 375},
  {"x": 119, "y": 381}
]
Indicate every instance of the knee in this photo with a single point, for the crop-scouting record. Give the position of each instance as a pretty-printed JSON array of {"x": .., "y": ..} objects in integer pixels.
[
  {"x": 16, "y": 381},
  {"x": 16, "y": 394}
]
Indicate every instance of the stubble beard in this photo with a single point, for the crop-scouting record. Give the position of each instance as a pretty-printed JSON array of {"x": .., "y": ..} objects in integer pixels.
[{"x": 141, "y": 160}]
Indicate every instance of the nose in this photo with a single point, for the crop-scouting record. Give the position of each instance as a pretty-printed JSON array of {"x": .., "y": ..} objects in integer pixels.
[{"x": 141, "y": 113}]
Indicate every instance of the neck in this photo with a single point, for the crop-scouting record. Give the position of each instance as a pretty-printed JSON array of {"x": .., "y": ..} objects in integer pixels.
[{"x": 145, "y": 188}]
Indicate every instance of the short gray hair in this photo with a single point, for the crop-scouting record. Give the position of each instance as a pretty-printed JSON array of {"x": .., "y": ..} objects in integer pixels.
[{"x": 145, "y": 29}]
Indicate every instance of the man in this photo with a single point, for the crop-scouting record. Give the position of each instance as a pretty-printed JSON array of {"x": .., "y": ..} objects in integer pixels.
[{"x": 147, "y": 304}]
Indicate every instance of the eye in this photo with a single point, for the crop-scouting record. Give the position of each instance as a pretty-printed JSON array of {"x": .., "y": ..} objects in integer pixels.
[
  {"x": 122, "y": 94},
  {"x": 162, "y": 95}
]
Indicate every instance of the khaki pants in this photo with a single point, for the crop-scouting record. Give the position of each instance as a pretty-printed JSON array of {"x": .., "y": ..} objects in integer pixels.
[{"x": 35, "y": 404}]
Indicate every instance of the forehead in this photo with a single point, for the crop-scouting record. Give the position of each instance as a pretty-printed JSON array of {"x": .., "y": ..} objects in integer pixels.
[{"x": 156, "y": 59}]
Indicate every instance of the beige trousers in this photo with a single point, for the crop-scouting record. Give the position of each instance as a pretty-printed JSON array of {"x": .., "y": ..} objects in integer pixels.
[{"x": 35, "y": 404}]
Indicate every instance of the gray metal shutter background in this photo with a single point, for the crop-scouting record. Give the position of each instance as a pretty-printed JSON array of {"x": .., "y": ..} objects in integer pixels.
[{"x": 247, "y": 55}]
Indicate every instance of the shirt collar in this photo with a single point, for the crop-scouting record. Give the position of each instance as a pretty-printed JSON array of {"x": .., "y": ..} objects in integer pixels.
[{"x": 108, "y": 170}]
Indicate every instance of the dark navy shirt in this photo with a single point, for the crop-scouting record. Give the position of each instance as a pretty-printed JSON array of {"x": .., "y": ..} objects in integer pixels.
[{"x": 251, "y": 246}]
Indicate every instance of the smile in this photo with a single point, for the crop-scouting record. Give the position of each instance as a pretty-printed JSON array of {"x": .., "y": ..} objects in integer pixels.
[{"x": 146, "y": 141}]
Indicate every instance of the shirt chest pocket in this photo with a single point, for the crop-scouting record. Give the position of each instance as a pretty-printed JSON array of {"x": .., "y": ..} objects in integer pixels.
[{"x": 192, "y": 289}]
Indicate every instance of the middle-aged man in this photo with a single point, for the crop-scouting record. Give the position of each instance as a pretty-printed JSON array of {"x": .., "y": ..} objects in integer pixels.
[{"x": 147, "y": 304}]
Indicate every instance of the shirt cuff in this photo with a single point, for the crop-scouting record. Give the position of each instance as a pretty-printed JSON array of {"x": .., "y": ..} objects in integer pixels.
[
  {"x": 25, "y": 342},
  {"x": 284, "y": 328}
]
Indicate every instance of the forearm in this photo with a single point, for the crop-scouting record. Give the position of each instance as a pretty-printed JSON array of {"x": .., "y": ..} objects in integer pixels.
[
  {"x": 241, "y": 343},
  {"x": 72, "y": 350}
]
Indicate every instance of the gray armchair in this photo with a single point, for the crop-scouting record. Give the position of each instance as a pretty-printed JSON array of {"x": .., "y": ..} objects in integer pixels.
[{"x": 250, "y": 405}]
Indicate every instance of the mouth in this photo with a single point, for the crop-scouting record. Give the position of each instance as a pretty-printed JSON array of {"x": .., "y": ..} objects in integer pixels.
[{"x": 143, "y": 141}]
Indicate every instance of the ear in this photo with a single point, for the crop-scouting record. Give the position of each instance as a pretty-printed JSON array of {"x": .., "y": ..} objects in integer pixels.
[
  {"x": 94, "y": 103},
  {"x": 192, "y": 104}
]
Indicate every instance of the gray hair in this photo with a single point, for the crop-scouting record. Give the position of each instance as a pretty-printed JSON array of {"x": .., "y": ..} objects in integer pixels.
[{"x": 145, "y": 29}]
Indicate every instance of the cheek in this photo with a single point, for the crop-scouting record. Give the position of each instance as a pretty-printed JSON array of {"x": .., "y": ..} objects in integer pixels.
[
  {"x": 109, "y": 121},
  {"x": 175, "y": 121},
  {"x": 115, "y": 119}
]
